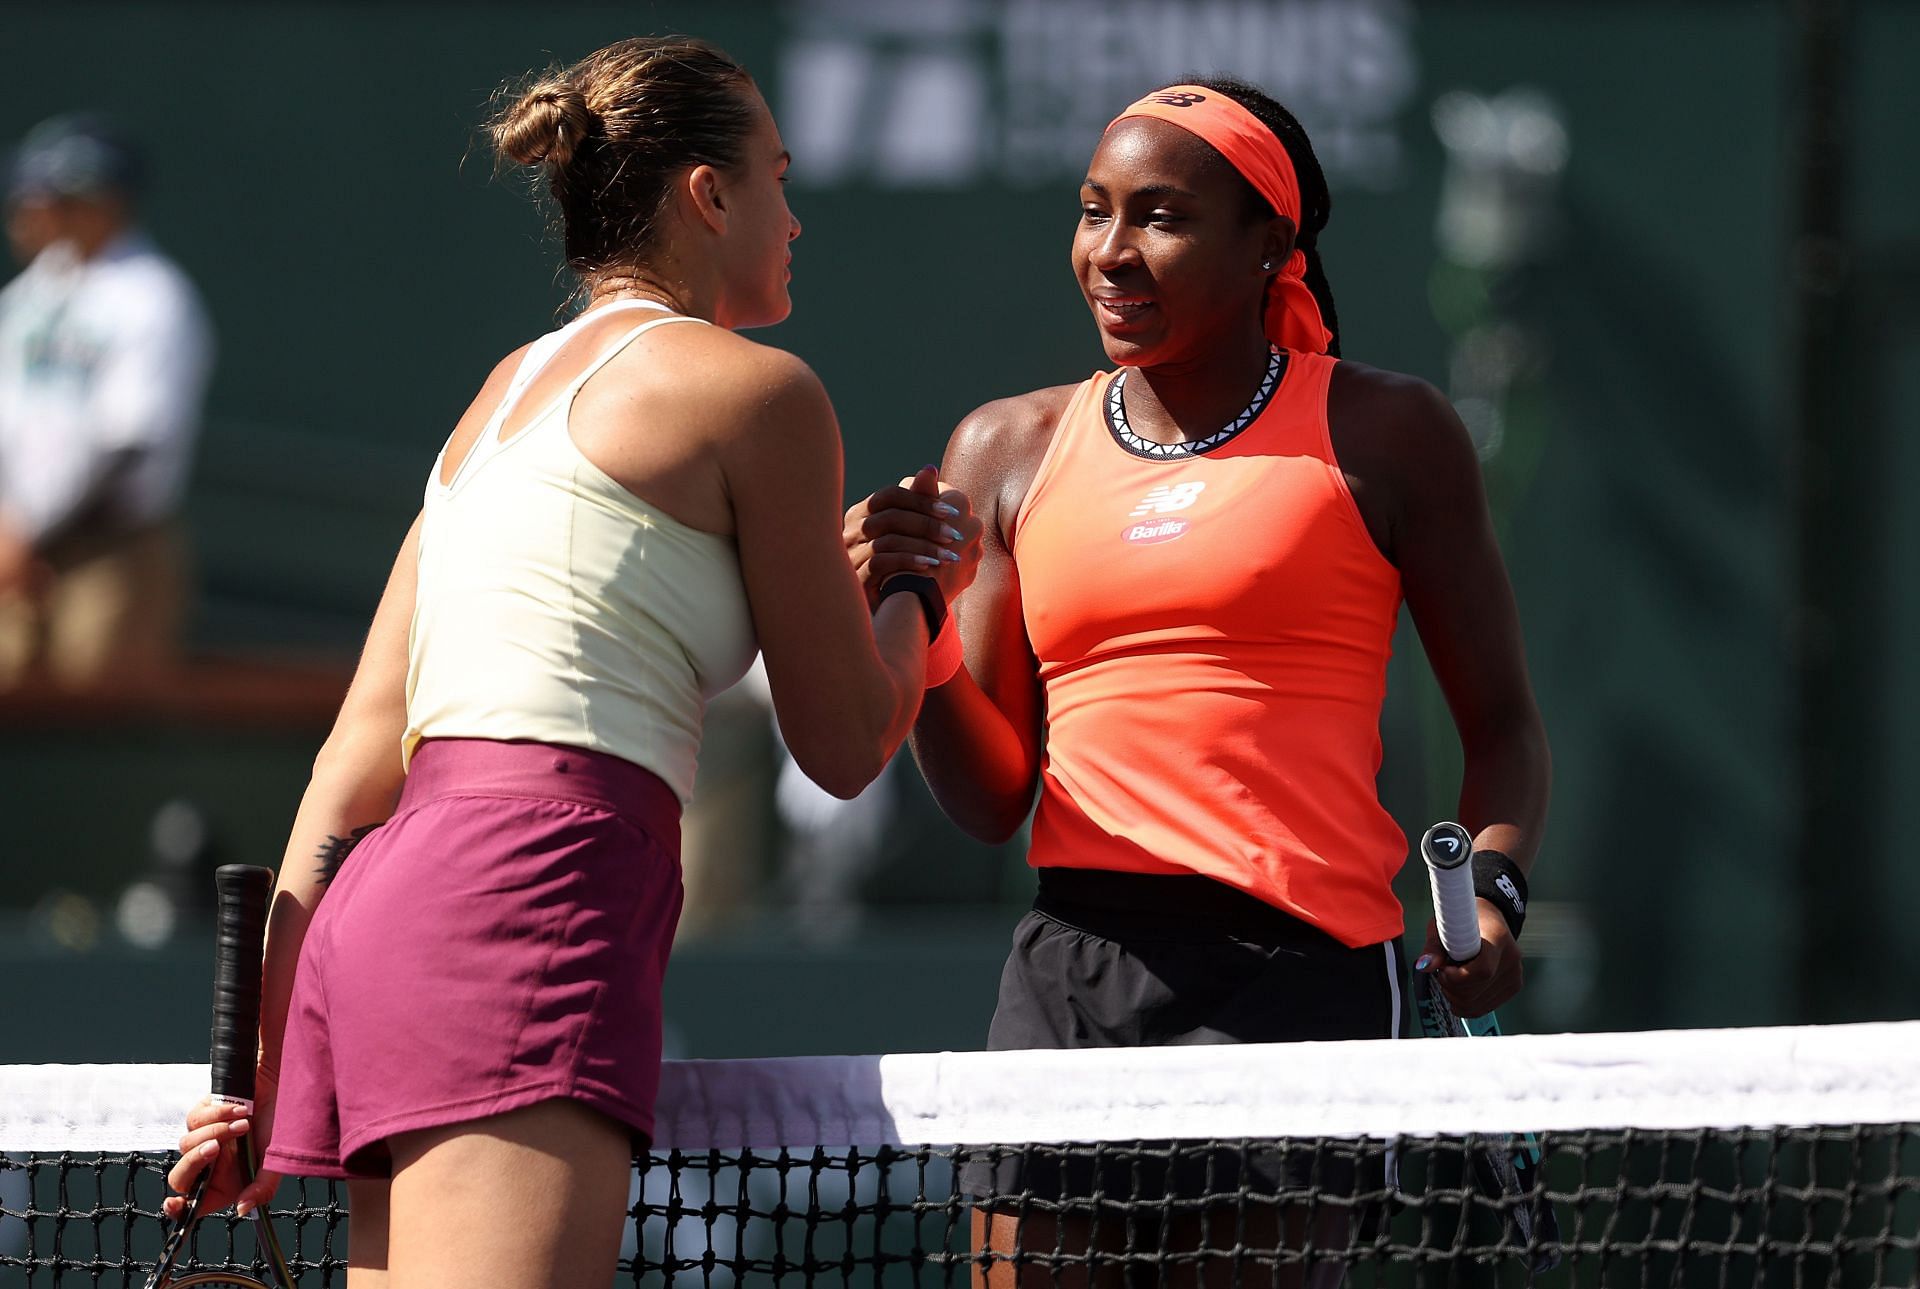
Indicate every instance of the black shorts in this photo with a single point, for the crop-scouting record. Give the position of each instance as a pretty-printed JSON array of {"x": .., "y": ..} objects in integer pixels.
[{"x": 1137, "y": 960}]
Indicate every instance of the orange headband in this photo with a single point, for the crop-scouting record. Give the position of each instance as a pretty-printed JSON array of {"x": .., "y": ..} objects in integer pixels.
[{"x": 1293, "y": 316}]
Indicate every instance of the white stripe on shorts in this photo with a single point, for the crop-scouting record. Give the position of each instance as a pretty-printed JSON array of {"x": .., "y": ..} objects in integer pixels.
[
  {"x": 1393, "y": 1031},
  {"x": 1393, "y": 989}
]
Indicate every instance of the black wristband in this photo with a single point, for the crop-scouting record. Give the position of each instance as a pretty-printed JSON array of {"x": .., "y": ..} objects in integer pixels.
[
  {"x": 1497, "y": 879},
  {"x": 933, "y": 602}
]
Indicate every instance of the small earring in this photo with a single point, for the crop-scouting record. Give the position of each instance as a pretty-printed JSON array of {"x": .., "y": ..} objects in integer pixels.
[{"x": 1266, "y": 266}]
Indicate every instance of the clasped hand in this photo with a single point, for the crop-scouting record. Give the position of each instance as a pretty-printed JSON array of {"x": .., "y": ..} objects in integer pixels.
[{"x": 915, "y": 526}]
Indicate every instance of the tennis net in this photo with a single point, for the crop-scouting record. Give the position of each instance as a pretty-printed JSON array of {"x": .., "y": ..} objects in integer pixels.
[{"x": 1763, "y": 1157}]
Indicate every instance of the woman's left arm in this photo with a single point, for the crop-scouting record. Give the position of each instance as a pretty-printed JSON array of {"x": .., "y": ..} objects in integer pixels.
[
  {"x": 356, "y": 781},
  {"x": 1422, "y": 472}
]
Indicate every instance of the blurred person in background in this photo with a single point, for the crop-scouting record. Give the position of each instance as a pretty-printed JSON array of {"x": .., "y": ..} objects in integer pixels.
[
  {"x": 1178, "y": 639},
  {"x": 105, "y": 352}
]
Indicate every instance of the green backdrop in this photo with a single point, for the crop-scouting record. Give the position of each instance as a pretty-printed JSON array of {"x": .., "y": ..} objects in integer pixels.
[{"x": 320, "y": 175}]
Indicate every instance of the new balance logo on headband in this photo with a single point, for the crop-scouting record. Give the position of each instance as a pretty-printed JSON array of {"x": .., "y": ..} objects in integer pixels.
[{"x": 1183, "y": 98}]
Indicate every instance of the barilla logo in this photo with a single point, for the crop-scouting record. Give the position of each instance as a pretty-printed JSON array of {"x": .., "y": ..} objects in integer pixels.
[
  {"x": 1160, "y": 530},
  {"x": 1163, "y": 500}
]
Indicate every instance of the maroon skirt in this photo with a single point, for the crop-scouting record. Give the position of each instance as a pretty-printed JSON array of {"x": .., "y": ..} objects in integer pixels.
[{"x": 500, "y": 941}]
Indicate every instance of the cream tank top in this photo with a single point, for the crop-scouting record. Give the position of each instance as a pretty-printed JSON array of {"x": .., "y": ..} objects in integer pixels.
[{"x": 555, "y": 606}]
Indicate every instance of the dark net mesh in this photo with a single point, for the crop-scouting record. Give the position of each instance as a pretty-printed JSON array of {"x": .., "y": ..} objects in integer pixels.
[{"x": 1833, "y": 1206}]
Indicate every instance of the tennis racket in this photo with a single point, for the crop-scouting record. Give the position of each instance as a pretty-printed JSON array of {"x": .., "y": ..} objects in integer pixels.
[
  {"x": 240, "y": 932},
  {"x": 1506, "y": 1175}
]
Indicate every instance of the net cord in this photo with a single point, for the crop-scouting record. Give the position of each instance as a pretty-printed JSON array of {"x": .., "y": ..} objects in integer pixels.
[{"x": 1801, "y": 1075}]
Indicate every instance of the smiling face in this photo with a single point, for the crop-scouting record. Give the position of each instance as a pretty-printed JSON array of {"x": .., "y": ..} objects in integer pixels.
[
  {"x": 1168, "y": 250},
  {"x": 759, "y": 228}
]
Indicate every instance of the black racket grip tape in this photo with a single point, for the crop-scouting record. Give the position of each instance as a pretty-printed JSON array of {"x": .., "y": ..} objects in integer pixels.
[{"x": 240, "y": 935}]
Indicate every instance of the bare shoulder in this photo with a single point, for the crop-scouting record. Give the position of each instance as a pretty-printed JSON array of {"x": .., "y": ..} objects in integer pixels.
[
  {"x": 722, "y": 391},
  {"x": 1389, "y": 425},
  {"x": 1393, "y": 398},
  {"x": 1011, "y": 424},
  {"x": 503, "y": 373},
  {"x": 739, "y": 412},
  {"x": 737, "y": 383},
  {"x": 1400, "y": 445},
  {"x": 997, "y": 448},
  {"x": 492, "y": 391},
  {"x": 707, "y": 353}
]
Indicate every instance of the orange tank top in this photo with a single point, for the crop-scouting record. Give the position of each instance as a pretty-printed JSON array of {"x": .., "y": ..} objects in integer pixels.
[{"x": 1213, "y": 630}]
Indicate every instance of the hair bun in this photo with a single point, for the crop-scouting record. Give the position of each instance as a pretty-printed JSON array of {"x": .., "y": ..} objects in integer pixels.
[{"x": 545, "y": 127}]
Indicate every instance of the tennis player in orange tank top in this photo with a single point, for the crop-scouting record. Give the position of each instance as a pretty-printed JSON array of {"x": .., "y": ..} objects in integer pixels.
[
  {"x": 1156, "y": 635},
  {"x": 1178, "y": 636}
]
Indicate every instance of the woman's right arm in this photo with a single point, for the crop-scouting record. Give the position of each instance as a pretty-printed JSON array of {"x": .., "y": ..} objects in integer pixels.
[
  {"x": 846, "y": 683},
  {"x": 978, "y": 738},
  {"x": 355, "y": 783}
]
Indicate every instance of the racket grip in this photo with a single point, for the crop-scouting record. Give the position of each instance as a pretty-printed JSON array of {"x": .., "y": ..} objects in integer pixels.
[
  {"x": 1446, "y": 848},
  {"x": 240, "y": 933}
]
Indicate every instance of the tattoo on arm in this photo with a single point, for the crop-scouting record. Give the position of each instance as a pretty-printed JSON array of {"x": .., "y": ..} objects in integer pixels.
[{"x": 333, "y": 851}]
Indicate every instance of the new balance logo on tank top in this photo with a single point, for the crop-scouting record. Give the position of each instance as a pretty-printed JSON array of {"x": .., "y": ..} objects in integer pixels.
[{"x": 1213, "y": 630}]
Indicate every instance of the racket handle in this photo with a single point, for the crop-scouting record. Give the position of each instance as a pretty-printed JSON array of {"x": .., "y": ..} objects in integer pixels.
[
  {"x": 240, "y": 933},
  {"x": 1446, "y": 847}
]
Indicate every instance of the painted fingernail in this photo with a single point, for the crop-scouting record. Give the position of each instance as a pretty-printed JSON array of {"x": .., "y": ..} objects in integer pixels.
[
  {"x": 945, "y": 511},
  {"x": 948, "y": 533},
  {"x": 1425, "y": 962},
  {"x": 243, "y": 1208},
  {"x": 928, "y": 561},
  {"x": 952, "y": 557}
]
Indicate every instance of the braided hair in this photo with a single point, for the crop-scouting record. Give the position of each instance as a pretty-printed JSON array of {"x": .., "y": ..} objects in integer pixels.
[{"x": 1315, "y": 202}]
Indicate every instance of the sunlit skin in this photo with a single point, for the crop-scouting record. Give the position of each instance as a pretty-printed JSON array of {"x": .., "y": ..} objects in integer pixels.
[
  {"x": 725, "y": 254},
  {"x": 1170, "y": 264},
  {"x": 760, "y": 231}
]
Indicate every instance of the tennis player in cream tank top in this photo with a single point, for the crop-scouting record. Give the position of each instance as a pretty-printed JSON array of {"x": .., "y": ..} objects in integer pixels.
[
  {"x": 629, "y": 506},
  {"x": 555, "y": 605}
]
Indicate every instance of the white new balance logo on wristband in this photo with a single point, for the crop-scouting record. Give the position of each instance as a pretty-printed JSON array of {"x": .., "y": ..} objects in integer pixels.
[{"x": 1512, "y": 892}]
